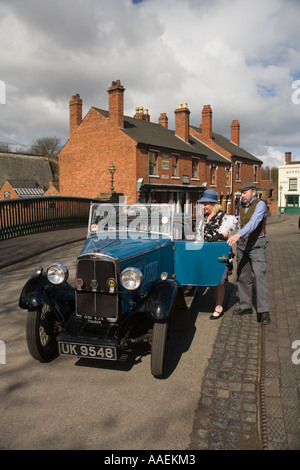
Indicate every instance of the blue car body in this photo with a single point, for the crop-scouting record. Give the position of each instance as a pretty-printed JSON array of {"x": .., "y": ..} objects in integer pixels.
[{"x": 129, "y": 282}]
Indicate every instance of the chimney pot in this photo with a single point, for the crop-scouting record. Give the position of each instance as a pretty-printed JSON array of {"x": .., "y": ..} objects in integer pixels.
[{"x": 142, "y": 114}]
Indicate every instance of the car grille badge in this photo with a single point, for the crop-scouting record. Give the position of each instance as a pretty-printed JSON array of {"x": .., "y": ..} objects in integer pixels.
[{"x": 94, "y": 284}]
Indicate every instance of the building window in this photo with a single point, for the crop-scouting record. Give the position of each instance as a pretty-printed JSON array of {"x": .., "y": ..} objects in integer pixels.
[
  {"x": 255, "y": 170},
  {"x": 228, "y": 176},
  {"x": 174, "y": 165},
  {"x": 213, "y": 179},
  {"x": 238, "y": 171},
  {"x": 195, "y": 173},
  {"x": 292, "y": 201},
  {"x": 293, "y": 184},
  {"x": 270, "y": 193},
  {"x": 152, "y": 163}
]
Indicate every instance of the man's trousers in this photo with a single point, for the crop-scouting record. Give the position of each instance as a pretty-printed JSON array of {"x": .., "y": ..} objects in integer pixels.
[{"x": 251, "y": 270}]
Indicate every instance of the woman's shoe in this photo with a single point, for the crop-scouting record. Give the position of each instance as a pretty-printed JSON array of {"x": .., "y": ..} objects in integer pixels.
[
  {"x": 216, "y": 317},
  {"x": 187, "y": 290}
]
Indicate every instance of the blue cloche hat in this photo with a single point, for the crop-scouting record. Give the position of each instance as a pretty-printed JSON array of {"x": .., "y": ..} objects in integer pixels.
[{"x": 209, "y": 196}]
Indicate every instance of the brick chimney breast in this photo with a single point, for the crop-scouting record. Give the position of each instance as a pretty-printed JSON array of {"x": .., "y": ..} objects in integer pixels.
[
  {"x": 75, "y": 106},
  {"x": 116, "y": 103},
  {"x": 235, "y": 132},
  {"x": 163, "y": 120},
  {"x": 288, "y": 158},
  {"x": 207, "y": 122},
  {"x": 182, "y": 122}
]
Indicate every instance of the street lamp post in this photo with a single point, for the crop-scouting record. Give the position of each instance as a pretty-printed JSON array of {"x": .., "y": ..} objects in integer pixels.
[
  {"x": 112, "y": 170},
  {"x": 280, "y": 190}
]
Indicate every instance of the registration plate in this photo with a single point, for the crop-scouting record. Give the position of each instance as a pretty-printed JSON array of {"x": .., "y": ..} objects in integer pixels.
[{"x": 88, "y": 350}]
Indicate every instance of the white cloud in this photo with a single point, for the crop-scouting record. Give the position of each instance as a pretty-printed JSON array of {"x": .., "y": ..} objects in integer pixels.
[{"x": 239, "y": 56}]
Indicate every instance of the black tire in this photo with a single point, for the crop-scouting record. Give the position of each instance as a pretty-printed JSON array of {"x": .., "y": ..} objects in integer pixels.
[
  {"x": 159, "y": 349},
  {"x": 41, "y": 331}
]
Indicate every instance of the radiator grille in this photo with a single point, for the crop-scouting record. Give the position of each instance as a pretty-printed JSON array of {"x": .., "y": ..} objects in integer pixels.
[{"x": 96, "y": 297}]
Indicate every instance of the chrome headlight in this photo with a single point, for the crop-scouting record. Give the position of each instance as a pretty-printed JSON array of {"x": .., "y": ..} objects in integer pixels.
[
  {"x": 131, "y": 278},
  {"x": 57, "y": 273}
]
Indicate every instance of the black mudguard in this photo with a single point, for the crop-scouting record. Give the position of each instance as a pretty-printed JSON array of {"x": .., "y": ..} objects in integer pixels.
[
  {"x": 38, "y": 290},
  {"x": 164, "y": 300}
]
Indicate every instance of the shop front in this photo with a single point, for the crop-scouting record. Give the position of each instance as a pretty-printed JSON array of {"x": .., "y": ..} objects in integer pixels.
[{"x": 183, "y": 196}]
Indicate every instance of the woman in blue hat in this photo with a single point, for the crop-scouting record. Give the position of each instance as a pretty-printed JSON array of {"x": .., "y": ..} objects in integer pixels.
[{"x": 213, "y": 218}]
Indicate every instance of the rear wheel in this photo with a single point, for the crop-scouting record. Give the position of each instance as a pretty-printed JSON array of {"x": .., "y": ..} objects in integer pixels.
[
  {"x": 159, "y": 349},
  {"x": 41, "y": 331}
]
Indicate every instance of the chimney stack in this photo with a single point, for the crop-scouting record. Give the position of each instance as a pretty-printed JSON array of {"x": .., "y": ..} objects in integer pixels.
[
  {"x": 182, "y": 122},
  {"x": 207, "y": 122},
  {"x": 142, "y": 114},
  {"x": 288, "y": 158},
  {"x": 235, "y": 132},
  {"x": 75, "y": 106},
  {"x": 116, "y": 103},
  {"x": 163, "y": 120}
]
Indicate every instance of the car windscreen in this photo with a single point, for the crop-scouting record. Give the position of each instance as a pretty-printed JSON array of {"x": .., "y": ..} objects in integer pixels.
[{"x": 132, "y": 220}]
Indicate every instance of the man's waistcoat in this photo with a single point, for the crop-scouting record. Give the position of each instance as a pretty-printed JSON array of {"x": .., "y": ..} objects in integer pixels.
[{"x": 246, "y": 216}]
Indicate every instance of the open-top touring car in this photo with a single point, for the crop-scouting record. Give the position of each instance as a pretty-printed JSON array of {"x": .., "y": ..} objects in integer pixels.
[{"x": 129, "y": 284}]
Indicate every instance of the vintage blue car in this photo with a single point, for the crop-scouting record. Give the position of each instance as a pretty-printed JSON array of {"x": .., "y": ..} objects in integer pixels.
[{"x": 129, "y": 286}]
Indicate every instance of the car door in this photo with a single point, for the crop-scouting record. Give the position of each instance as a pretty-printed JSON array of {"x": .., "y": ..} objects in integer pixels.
[{"x": 200, "y": 263}]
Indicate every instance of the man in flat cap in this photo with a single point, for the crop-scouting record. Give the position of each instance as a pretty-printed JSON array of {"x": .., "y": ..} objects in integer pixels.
[{"x": 251, "y": 254}]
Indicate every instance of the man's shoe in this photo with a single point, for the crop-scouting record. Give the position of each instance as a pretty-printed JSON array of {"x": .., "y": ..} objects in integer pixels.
[
  {"x": 264, "y": 318},
  {"x": 240, "y": 311}
]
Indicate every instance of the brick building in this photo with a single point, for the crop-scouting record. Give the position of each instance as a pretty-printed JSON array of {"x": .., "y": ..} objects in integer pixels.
[
  {"x": 268, "y": 192},
  {"x": 289, "y": 186},
  {"x": 153, "y": 163}
]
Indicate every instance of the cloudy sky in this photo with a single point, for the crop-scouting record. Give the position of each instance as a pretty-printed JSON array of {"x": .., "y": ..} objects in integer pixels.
[{"x": 240, "y": 56}]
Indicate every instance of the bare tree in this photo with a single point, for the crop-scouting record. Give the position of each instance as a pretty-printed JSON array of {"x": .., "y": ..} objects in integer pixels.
[
  {"x": 49, "y": 147},
  {"x": 269, "y": 173}
]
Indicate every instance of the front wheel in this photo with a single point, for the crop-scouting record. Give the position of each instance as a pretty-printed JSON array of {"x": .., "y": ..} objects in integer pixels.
[
  {"x": 42, "y": 329},
  {"x": 159, "y": 349}
]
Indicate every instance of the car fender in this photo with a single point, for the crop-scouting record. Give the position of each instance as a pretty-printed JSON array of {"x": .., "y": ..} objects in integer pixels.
[
  {"x": 164, "y": 299},
  {"x": 38, "y": 290}
]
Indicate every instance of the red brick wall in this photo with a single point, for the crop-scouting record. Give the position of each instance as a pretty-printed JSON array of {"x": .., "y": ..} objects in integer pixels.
[
  {"x": 246, "y": 174},
  {"x": 85, "y": 160},
  {"x": 7, "y": 187}
]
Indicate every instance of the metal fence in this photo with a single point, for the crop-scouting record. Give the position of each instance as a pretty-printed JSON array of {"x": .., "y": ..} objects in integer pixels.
[{"x": 24, "y": 216}]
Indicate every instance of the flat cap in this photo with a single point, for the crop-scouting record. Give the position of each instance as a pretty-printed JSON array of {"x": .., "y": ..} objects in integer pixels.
[{"x": 248, "y": 185}]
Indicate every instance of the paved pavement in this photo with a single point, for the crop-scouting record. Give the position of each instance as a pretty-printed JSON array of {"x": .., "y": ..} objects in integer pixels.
[{"x": 250, "y": 395}]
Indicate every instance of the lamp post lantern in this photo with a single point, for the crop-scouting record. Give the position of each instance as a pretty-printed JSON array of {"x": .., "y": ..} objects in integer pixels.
[{"x": 112, "y": 170}]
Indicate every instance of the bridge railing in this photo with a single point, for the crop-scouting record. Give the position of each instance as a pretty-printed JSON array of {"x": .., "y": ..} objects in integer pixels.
[{"x": 24, "y": 216}]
